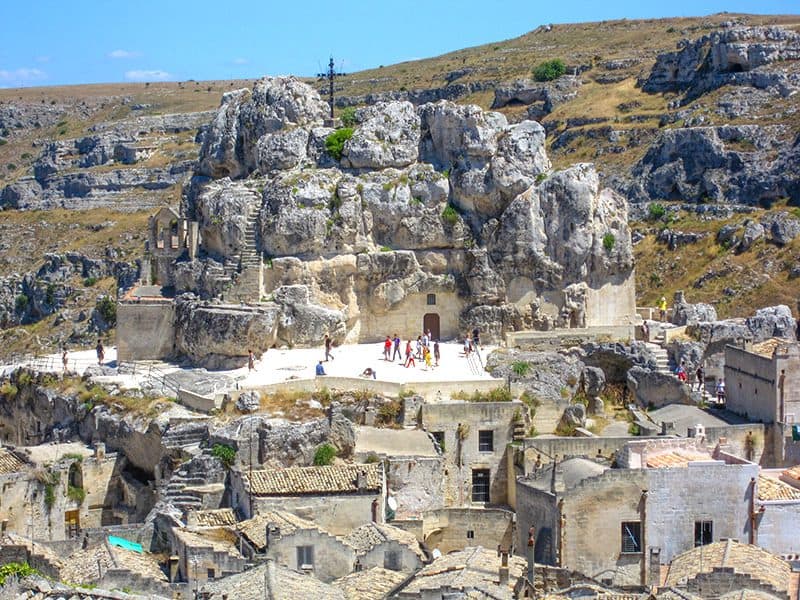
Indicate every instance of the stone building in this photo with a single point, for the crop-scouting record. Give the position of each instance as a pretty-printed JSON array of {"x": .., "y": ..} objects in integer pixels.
[
  {"x": 204, "y": 553},
  {"x": 377, "y": 545},
  {"x": 337, "y": 498},
  {"x": 762, "y": 381},
  {"x": 638, "y": 521},
  {"x": 730, "y": 567},
  {"x": 53, "y": 492},
  {"x": 777, "y": 514},
  {"x": 473, "y": 572},
  {"x": 473, "y": 437},
  {"x": 170, "y": 237}
]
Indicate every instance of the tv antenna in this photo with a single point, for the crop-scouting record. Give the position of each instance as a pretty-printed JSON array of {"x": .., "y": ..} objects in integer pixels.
[{"x": 331, "y": 74}]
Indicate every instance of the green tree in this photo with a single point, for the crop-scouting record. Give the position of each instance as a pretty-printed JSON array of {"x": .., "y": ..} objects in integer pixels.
[
  {"x": 549, "y": 70},
  {"x": 348, "y": 116},
  {"x": 324, "y": 455}
]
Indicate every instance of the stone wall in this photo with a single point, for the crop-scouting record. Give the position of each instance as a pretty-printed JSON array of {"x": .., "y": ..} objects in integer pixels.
[
  {"x": 451, "y": 529},
  {"x": 761, "y": 388},
  {"x": 406, "y": 318},
  {"x": 778, "y": 529},
  {"x": 612, "y": 304},
  {"x": 462, "y": 456},
  {"x": 145, "y": 331},
  {"x": 415, "y": 482},
  {"x": 538, "y": 509},
  {"x": 407, "y": 560},
  {"x": 332, "y": 558}
]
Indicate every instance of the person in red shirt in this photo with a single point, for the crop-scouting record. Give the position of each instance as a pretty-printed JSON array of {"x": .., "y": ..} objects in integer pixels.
[
  {"x": 387, "y": 349},
  {"x": 409, "y": 356}
]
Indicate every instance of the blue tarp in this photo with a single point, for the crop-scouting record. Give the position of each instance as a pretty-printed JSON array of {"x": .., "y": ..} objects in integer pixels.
[{"x": 123, "y": 543}]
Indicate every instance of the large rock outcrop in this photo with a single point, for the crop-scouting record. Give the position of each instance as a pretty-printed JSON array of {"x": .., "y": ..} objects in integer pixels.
[{"x": 439, "y": 200}]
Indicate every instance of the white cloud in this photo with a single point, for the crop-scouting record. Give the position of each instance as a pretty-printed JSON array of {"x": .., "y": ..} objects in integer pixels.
[
  {"x": 240, "y": 61},
  {"x": 20, "y": 77},
  {"x": 124, "y": 54},
  {"x": 145, "y": 75}
]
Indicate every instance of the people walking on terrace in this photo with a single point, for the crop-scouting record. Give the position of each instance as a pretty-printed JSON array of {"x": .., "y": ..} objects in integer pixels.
[
  {"x": 64, "y": 359},
  {"x": 409, "y": 356},
  {"x": 419, "y": 347},
  {"x": 467, "y": 345},
  {"x": 328, "y": 343},
  {"x": 721, "y": 391},
  {"x": 700, "y": 375},
  {"x": 681, "y": 372},
  {"x": 427, "y": 356},
  {"x": 251, "y": 360},
  {"x": 396, "y": 351},
  {"x": 662, "y": 308},
  {"x": 436, "y": 352},
  {"x": 320, "y": 371},
  {"x": 387, "y": 349},
  {"x": 101, "y": 352}
]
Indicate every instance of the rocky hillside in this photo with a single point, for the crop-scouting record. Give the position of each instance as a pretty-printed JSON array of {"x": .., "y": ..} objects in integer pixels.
[{"x": 697, "y": 114}]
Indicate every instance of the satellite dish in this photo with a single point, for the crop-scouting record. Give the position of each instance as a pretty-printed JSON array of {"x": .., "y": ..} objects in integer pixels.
[
  {"x": 436, "y": 553},
  {"x": 392, "y": 503}
]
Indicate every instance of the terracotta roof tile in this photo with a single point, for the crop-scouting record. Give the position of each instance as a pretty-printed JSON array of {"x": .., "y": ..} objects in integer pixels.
[
  {"x": 10, "y": 462},
  {"x": 215, "y": 518},
  {"x": 254, "y": 530},
  {"x": 774, "y": 489},
  {"x": 335, "y": 479},
  {"x": 792, "y": 473},
  {"x": 372, "y": 584},
  {"x": 365, "y": 538}
]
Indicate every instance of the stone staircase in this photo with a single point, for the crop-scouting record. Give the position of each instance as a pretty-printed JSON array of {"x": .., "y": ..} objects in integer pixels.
[
  {"x": 186, "y": 436},
  {"x": 244, "y": 268},
  {"x": 661, "y": 355},
  {"x": 189, "y": 485}
]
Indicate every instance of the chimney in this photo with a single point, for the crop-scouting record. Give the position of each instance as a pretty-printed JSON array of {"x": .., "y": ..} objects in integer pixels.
[
  {"x": 530, "y": 556},
  {"x": 270, "y": 580},
  {"x": 504, "y": 568},
  {"x": 100, "y": 451},
  {"x": 361, "y": 481},
  {"x": 173, "y": 568}
]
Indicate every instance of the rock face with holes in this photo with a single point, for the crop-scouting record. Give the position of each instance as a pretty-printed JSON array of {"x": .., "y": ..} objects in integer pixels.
[{"x": 440, "y": 216}]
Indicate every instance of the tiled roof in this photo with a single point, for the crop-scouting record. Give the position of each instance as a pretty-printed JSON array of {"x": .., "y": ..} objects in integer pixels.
[
  {"x": 674, "y": 459},
  {"x": 145, "y": 564},
  {"x": 792, "y": 474},
  {"x": 742, "y": 558},
  {"x": 221, "y": 539},
  {"x": 472, "y": 568},
  {"x": 254, "y": 530},
  {"x": 774, "y": 489},
  {"x": 335, "y": 479},
  {"x": 365, "y": 538},
  {"x": 290, "y": 584},
  {"x": 9, "y": 462},
  {"x": 215, "y": 518},
  {"x": 372, "y": 584}
]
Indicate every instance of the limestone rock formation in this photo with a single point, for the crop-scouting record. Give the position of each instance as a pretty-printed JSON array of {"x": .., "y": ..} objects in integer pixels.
[
  {"x": 738, "y": 56},
  {"x": 440, "y": 205}
]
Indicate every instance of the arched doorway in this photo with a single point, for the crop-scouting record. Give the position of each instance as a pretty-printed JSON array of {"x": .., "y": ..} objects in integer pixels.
[{"x": 431, "y": 321}]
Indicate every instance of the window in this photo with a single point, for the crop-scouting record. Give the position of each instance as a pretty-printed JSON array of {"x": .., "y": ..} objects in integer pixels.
[
  {"x": 480, "y": 485},
  {"x": 305, "y": 557},
  {"x": 631, "y": 537},
  {"x": 210, "y": 573},
  {"x": 392, "y": 560},
  {"x": 431, "y": 299},
  {"x": 439, "y": 437},
  {"x": 486, "y": 441},
  {"x": 703, "y": 533},
  {"x": 470, "y": 534}
]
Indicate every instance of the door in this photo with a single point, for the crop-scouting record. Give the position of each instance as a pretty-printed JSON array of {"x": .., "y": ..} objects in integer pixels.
[
  {"x": 431, "y": 321},
  {"x": 72, "y": 521}
]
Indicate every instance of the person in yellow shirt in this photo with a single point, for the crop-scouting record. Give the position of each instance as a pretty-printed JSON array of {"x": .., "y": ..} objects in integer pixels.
[{"x": 662, "y": 307}]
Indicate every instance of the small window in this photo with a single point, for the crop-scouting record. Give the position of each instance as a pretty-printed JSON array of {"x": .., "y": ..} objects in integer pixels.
[
  {"x": 210, "y": 573},
  {"x": 392, "y": 560},
  {"x": 631, "y": 537},
  {"x": 470, "y": 534},
  {"x": 305, "y": 557},
  {"x": 431, "y": 299},
  {"x": 480, "y": 485},
  {"x": 486, "y": 441},
  {"x": 703, "y": 533},
  {"x": 439, "y": 437}
]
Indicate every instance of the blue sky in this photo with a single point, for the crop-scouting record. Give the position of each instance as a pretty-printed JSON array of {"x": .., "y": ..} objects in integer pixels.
[{"x": 55, "y": 42}]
